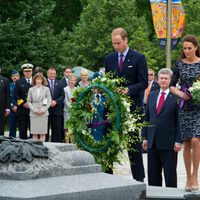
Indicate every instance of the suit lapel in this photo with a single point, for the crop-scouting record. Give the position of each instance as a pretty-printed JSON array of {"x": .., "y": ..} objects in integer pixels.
[
  {"x": 36, "y": 97},
  {"x": 115, "y": 70},
  {"x": 155, "y": 102},
  {"x": 126, "y": 62},
  {"x": 42, "y": 93},
  {"x": 152, "y": 86}
]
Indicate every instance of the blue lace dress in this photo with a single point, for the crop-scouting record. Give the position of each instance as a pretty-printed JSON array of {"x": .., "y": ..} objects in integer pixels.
[{"x": 189, "y": 113}]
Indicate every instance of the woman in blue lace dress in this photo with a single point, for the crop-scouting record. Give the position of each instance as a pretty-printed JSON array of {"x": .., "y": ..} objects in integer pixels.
[{"x": 187, "y": 70}]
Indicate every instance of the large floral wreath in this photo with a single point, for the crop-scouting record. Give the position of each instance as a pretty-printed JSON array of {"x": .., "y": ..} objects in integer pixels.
[{"x": 118, "y": 120}]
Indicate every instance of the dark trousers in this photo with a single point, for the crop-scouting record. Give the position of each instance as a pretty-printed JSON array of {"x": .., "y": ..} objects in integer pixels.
[
  {"x": 63, "y": 130},
  {"x": 56, "y": 125},
  {"x": 23, "y": 125},
  {"x": 158, "y": 160},
  {"x": 2, "y": 120},
  {"x": 12, "y": 122},
  {"x": 136, "y": 161}
]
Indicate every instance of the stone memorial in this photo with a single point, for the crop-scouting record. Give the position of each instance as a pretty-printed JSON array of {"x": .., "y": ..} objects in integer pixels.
[{"x": 34, "y": 171}]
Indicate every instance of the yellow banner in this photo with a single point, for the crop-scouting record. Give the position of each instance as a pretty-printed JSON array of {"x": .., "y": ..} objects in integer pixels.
[{"x": 159, "y": 13}]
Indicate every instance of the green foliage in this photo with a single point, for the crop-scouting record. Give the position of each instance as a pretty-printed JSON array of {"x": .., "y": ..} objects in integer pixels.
[
  {"x": 117, "y": 137},
  {"x": 38, "y": 31},
  {"x": 90, "y": 39},
  {"x": 27, "y": 36},
  {"x": 66, "y": 14}
]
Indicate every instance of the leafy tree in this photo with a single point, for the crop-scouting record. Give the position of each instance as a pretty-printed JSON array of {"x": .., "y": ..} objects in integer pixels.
[
  {"x": 90, "y": 39},
  {"x": 66, "y": 14},
  {"x": 36, "y": 31},
  {"x": 26, "y": 35}
]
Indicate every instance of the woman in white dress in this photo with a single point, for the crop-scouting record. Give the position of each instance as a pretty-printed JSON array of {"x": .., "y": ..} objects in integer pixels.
[
  {"x": 39, "y": 100},
  {"x": 68, "y": 100}
]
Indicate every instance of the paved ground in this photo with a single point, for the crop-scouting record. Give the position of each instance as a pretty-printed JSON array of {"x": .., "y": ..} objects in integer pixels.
[
  {"x": 158, "y": 192},
  {"x": 161, "y": 193},
  {"x": 124, "y": 169}
]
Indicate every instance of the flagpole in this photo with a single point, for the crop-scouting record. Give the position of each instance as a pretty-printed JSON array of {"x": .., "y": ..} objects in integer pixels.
[{"x": 169, "y": 26}]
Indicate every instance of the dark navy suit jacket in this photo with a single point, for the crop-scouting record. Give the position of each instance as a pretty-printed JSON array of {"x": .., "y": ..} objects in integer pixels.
[
  {"x": 154, "y": 86},
  {"x": 21, "y": 92},
  {"x": 164, "y": 128},
  {"x": 63, "y": 83},
  {"x": 4, "y": 94},
  {"x": 134, "y": 70},
  {"x": 58, "y": 96}
]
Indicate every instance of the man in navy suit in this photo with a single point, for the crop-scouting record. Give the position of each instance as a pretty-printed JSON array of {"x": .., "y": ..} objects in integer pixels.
[
  {"x": 64, "y": 83},
  {"x": 162, "y": 138},
  {"x": 132, "y": 66},
  {"x": 67, "y": 73},
  {"x": 55, "y": 120}
]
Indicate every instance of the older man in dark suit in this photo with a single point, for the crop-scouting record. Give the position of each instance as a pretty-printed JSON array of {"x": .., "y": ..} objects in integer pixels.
[
  {"x": 4, "y": 101},
  {"x": 162, "y": 138},
  {"x": 132, "y": 66},
  {"x": 55, "y": 119},
  {"x": 21, "y": 91}
]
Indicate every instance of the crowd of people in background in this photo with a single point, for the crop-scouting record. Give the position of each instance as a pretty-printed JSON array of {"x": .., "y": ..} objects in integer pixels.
[
  {"x": 38, "y": 103},
  {"x": 41, "y": 104}
]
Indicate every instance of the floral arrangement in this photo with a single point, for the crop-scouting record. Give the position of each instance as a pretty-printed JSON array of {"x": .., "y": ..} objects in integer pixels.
[
  {"x": 118, "y": 120},
  {"x": 195, "y": 91}
]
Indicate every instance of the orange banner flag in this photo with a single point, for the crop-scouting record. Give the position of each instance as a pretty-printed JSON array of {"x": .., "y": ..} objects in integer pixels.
[{"x": 159, "y": 14}]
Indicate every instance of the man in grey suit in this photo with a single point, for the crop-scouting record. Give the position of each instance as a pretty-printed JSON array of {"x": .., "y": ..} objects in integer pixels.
[{"x": 4, "y": 101}]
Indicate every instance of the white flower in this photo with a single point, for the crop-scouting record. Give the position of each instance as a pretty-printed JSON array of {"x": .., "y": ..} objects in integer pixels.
[
  {"x": 103, "y": 79},
  {"x": 195, "y": 87},
  {"x": 125, "y": 132},
  {"x": 83, "y": 132}
]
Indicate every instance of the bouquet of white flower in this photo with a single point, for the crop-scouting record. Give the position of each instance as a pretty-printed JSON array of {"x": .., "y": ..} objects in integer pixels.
[{"x": 195, "y": 91}]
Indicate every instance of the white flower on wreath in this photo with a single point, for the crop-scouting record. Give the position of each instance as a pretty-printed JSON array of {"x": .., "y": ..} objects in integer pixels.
[
  {"x": 103, "y": 79},
  {"x": 84, "y": 132},
  {"x": 126, "y": 104}
]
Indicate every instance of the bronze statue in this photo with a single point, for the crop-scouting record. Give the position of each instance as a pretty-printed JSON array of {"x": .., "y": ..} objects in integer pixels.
[{"x": 18, "y": 150}]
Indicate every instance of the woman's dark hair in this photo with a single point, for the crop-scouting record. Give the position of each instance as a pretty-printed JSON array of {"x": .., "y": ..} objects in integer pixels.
[{"x": 192, "y": 39}]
